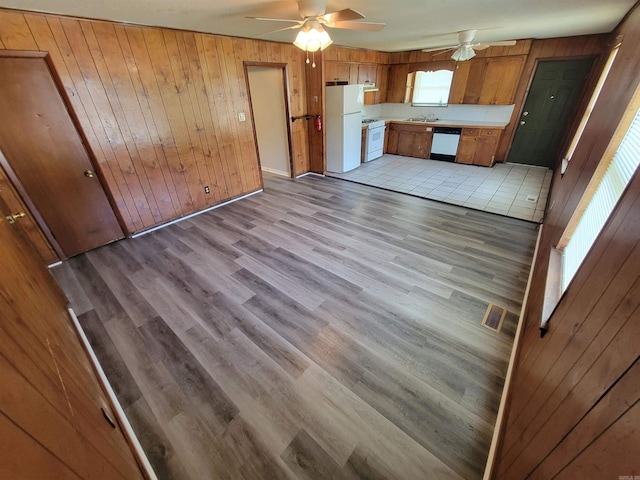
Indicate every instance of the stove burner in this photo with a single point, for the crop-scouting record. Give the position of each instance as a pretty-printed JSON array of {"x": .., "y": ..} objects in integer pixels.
[{"x": 371, "y": 123}]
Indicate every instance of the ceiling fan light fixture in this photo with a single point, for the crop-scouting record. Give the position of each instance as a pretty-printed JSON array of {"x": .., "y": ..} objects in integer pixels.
[
  {"x": 462, "y": 53},
  {"x": 312, "y": 38}
]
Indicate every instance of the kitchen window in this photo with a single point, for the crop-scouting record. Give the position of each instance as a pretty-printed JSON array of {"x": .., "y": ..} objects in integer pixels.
[{"x": 432, "y": 88}]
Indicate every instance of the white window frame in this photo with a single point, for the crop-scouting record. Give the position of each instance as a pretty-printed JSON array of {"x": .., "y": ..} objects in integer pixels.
[
  {"x": 441, "y": 91},
  {"x": 600, "y": 199}
]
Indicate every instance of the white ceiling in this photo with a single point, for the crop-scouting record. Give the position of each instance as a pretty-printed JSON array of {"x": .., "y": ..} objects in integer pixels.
[{"x": 411, "y": 24}]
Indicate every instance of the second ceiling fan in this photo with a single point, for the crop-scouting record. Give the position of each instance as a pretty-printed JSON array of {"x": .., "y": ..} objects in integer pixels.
[{"x": 465, "y": 48}]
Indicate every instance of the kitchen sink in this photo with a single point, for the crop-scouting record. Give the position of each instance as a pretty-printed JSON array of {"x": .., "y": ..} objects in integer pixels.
[{"x": 423, "y": 120}]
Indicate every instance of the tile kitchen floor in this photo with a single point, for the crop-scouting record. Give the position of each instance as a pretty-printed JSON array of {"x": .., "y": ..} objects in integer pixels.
[{"x": 513, "y": 190}]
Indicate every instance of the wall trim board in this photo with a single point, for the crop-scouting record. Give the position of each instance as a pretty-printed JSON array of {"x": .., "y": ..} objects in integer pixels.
[
  {"x": 158, "y": 227},
  {"x": 500, "y": 424},
  {"x": 123, "y": 421}
]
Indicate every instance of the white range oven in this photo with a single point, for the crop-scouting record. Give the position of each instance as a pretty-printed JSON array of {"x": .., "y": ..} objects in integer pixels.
[{"x": 374, "y": 139}]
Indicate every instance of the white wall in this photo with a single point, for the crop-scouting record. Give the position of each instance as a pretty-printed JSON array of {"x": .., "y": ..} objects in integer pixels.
[{"x": 475, "y": 113}]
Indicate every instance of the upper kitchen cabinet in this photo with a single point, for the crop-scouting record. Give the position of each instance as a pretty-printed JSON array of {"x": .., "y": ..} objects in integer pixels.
[
  {"x": 338, "y": 71},
  {"x": 484, "y": 81},
  {"x": 492, "y": 81},
  {"x": 399, "y": 85},
  {"x": 367, "y": 73},
  {"x": 362, "y": 73},
  {"x": 383, "y": 83}
]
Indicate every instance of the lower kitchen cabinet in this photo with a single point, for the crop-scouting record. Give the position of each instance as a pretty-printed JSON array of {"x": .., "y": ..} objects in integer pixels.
[
  {"x": 410, "y": 140},
  {"x": 478, "y": 146}
]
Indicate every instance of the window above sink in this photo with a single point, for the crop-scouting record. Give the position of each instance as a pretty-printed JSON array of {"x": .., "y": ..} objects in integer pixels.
[{"x": 431, "y": 88}]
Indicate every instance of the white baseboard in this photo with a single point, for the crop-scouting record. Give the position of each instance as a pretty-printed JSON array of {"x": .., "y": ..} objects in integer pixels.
[
  {"x": 139, "y": 234},
  {"x": 276, "y": 172},
  {"x": 119, "y": 412}
]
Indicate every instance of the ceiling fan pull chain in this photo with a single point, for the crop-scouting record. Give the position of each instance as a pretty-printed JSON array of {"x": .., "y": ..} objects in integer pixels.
[{"x": 313, "y": 65}]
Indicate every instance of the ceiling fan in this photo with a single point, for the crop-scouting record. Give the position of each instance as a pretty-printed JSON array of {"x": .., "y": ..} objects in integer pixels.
[
  {"x": 465, "y": 49},
  {"x": 313, "y": 18}
]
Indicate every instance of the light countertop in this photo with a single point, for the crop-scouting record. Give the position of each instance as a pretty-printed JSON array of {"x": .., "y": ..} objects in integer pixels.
[{"x": 448, "y": 123}]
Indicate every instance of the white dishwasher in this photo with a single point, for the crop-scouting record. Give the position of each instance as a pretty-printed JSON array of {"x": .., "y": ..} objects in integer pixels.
[{"x": 445, "y": 143}]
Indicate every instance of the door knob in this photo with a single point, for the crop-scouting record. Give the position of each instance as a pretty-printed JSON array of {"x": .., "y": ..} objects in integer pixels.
[
  {"x": 88, "y": 173},
  {"x": 15, "y": 216},
  {"x": 522, "y": 122}
]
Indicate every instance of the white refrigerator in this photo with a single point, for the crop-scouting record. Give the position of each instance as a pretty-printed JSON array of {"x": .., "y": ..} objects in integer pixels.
[{"x": 344, "y": 126}]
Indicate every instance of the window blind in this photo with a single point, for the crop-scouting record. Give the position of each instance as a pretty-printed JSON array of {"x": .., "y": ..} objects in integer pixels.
[{"x": 616, "y": 178}]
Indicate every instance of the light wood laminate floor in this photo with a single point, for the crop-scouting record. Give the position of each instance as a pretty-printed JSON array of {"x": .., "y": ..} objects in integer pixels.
[{"x": 320, "y": 329}]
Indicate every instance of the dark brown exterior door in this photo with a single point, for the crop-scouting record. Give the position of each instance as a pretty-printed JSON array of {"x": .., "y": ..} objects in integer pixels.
[
  {"x": 553, "y": 98},
  {"x": 44, "y": 150}
]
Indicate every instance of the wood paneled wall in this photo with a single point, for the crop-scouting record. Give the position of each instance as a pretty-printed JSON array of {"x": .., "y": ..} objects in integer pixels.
[
  {"x": 160, "y": 108},
  {"x": 357, "y": 55},
  {"x": 572, "y": 408}
]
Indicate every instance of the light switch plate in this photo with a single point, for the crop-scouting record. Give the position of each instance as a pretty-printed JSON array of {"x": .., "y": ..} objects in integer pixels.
[{"x": 241, "y": 117}]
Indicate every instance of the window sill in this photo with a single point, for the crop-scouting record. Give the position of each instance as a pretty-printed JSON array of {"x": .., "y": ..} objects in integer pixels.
[{"x": 552, "y": 289}]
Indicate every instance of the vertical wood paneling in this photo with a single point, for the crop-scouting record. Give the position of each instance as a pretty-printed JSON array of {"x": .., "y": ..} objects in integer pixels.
[
  {"x": 574, "y": 388},
  {"x": 160, "y": 108},
  {"x": 155, "y": 116},
  {"x": 15, "y": 32}
]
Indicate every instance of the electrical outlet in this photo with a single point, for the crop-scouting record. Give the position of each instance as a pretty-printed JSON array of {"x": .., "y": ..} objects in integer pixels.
[
  {"x": 241, "y": 117},
  {"x": 207, "y": 190}
]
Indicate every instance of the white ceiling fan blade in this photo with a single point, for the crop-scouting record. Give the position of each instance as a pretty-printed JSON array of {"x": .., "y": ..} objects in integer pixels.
[
  {"x": 506, "y": 43},
  {"x": 361, "y": 26},
  {"x": 441, "y": 52},
  {"x": 435, "y": 49},
  {"x": 292, "y": 27},
  {"x": 485, "y": 45},
  {"x": 275, "y": 19},
  {"x": 341, "y": 16}
]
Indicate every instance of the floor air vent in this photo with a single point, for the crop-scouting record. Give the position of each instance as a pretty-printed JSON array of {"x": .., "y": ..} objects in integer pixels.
[{"x": 494, "y": 317}]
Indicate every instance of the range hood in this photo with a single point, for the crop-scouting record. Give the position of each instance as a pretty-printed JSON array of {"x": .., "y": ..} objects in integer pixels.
[{"x": 370, "y": 87}]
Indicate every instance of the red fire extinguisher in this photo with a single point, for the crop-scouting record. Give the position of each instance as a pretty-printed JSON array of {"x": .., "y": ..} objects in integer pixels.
[{"x": 318, "y": 123}]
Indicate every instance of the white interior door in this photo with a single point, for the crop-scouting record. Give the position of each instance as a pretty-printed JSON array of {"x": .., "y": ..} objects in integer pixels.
[{"x": 266, "y": 85}]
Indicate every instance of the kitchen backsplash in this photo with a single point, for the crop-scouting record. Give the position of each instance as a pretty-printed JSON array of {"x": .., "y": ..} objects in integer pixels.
[{"x": 476, "y": 113}]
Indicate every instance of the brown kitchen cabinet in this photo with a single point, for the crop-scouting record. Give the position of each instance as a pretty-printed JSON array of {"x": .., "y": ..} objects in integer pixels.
[
  {"x": 337, "y": 72},
  {"x": 410, "y": 140},
  {"x": 492, "y": 81},
  {"x": 363, "y": 73},
  {"x": 382, "y": 82},
  {"x": 363, "y": 144},
  {"x": 484, "y": 81},
  {"x": 367, "y": 73},
  {"x": 478, "y": 146}
]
